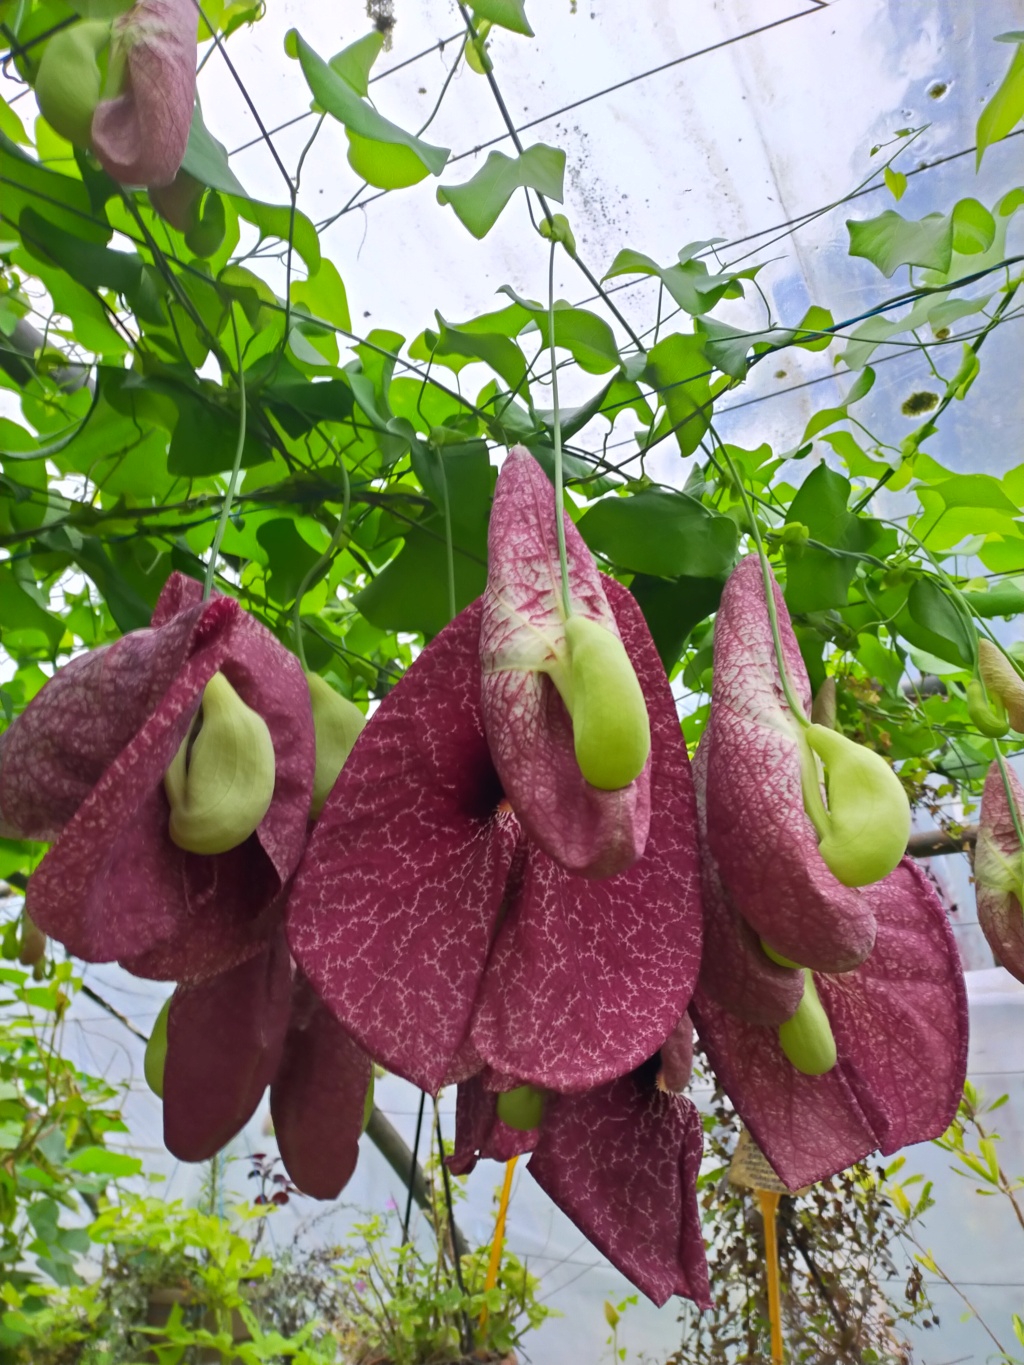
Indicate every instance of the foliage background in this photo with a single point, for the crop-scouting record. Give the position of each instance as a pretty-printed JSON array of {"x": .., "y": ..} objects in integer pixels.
[{"x": 777, "y": 121}]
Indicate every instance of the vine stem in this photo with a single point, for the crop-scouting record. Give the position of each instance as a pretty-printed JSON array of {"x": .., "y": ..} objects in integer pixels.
[
  {"x": 229, "y": 496},
  {"x": 563, "y": 563},
  {"x": 1005, "y": 775},
  {"x": 768, "y": 579},
  {"x": 314, "y": 572}
]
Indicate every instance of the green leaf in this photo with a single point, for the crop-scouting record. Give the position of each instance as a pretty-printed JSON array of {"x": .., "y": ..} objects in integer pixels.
[
  {"x": 690, "y": 284},
  {"x": 119, "y": 582},
  {"x": 975, "y": 490},
  {"x": 324, "y": 295},
  {"x": 411, "y": 592},
  {"x": 57, "y": 198},
  {"x": 275, "y": 220},
  {"x": 207, "y": 159},
  {"x": 587, "y": 337},
  {"x": 95, "y": 266},
  {"x": 665, "y": 535},
  {"x": 672, "y": 608},
  {"x": 819, "y": 579},
  {"x": 890, "y": 241},
  {"x": 816, "y": 319},
  {"x": 510, "y": 14},
  {"x": 299, "y": 405},
  {"x": 970, "y": 368},
  {"x": 896, "y": 182},
  {"x": 1007, "y": 599},
  {"x": 289, "y": 558},
  {"x": 940, "y": 628},
  {"x": 11, "y": 125},
  {"x": 382, "y": 153},
  {"x": 353, "y": 63},
  {"x": 678, "y": 370},
  {"x": 828, "y": 417},
  {"x": 974, "y": 228},
  {"x": 206, "y": 437},
  {"x": 22, "y": 616},
  {"x": 100, "y": 1161},
  {"x": 479, "y": 202},
  {"x": 1006, "y": 107},
  {"x": 500, "y": 352}
]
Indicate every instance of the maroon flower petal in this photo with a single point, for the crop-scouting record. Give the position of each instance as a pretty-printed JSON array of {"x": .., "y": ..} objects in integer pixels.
[
  {"x": 734, "y": 971},
  {"x": 675, "y": 1058},
  {"x": 586, "y": 978},
  {"x": 997, "y": 872},
  {"x": 85, "y": 763},
  {"x": 480, "y": 1133},
  {"x": 59, "y": 747},
  {"x": 759, "y": 835},
  {"x": 528, "y": 728},
  {"x": 397, "y": 896},
  {"x": 621, "y": 1162},
  {"x": 141, "y": 135},
  {"x": 317, "y": 1097},
  {"x": 224, "y": 1043},
  {"x": 900, "y": 1025}
]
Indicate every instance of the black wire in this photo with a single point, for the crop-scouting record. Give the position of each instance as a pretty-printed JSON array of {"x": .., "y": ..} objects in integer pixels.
[
  {"x": 631, "y": 80},
  {"x": 467, "y": 1327},
  {"x": 412, "y": 1170},
  {"x": 439, "y": 46}
]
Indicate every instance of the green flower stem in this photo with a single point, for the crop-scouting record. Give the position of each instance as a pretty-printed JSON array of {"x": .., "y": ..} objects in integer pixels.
[
  {"x": 769, "y": 590},
  {"x": 229, "y": 496},
  {"x": 313, "y": 573},
  {"x": 563, "y": 563},
  {"x": 1014, "y": 812},
  {"x": 449, "y": 547}
]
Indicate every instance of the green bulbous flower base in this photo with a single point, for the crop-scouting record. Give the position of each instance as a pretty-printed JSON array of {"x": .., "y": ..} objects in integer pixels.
[
  {"x": 611, "y": 728},
  {"x": 521, "y": 1108}
]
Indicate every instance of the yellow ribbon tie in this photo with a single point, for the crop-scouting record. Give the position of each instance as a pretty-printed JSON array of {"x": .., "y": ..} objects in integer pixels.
[
  {"x": 494, "y": 1265},
  {"x": 768, "y": 1201}
]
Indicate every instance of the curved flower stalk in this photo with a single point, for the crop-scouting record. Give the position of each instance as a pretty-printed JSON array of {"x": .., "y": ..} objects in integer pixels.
[
  {"x": 260, "y": 1024},
  {"x": 140, "y": 134},
  {"x": 894, "y": 1028},
  {"x": 430, "y": 918},
  {"x": 761, "y": 783},
  {"x": 899, "y": 1023},
  {"x": 84, "y": 768},
  {"x": 999, "y": 869},
  {"x": 621, "y": 1161},
  {"x": 527, "y": 674}
]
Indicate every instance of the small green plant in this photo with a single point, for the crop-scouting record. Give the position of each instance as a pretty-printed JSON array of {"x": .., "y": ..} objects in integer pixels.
[
  {"x": 54, "y": 1124},
  {"x": 176, "y": 1285},
  {"x": 613, "y": 1316},
  {"x": 973, "y": 1144},
  {"x": 401, "y": 1306}
]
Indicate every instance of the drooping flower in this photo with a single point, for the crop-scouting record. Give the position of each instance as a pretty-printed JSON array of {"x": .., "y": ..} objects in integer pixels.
[
  {"x": 260, "y": 1024},
  {"x": 84, "y": 768},
  {"x": 621, "y": 1161},
  {"x": 999, "y": 870},
  {"x": 889, "y": 1036},
  {"x": 759, "y": 831},
  {"x": 140, "y": 133},
  {"x": 441, "y": 909}
]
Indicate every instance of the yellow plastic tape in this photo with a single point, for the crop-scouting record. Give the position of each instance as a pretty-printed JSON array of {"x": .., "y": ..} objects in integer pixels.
[
  {"x": 494, "y": 1264},
  {"x": 768, "y": 1201}
]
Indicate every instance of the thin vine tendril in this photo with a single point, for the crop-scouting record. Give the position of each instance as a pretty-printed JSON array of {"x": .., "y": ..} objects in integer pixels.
[
  {"x": 229, "y": 496},
  {"x": 563, "y": 563}
]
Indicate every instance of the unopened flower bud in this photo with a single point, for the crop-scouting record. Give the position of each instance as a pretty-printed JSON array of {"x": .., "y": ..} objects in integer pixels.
[{"x": 220, "y": 784}]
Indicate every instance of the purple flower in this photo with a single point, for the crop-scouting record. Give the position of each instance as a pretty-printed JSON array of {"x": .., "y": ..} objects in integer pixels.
[{"x": 449, "y": 908}]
